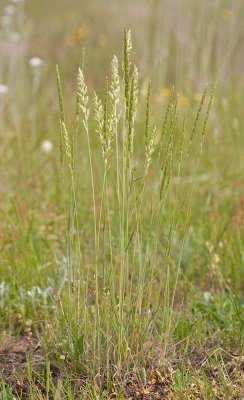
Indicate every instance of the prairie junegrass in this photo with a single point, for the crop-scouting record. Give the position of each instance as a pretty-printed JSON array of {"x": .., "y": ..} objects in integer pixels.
[
  {"x": 132, "y": 256},
  {"x": 123, "y": 273}
]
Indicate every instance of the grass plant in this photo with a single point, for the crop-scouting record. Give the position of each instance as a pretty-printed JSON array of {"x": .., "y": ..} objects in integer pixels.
[
  {"x": 120, "y": 305},
  {"x": 121, "y": 208}
]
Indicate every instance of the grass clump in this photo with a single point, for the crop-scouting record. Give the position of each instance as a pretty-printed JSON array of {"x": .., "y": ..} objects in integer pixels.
[{"x": 123, "y": 272}]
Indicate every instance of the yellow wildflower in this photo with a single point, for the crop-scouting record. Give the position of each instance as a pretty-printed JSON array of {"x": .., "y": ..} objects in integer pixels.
[
  {"x": 183, "y": 100},
  {"x": 82, "y": 32}
]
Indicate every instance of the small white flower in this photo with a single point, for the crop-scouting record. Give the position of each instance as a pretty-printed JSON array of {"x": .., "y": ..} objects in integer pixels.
[
  {"x": 46, "y": 146},
  {"x": 207, "y": 296},
  {"x": 3, "y": 89},
  {"x": 36, "y": 62}
]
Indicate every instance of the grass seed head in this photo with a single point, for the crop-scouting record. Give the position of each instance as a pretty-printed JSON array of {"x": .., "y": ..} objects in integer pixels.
[
  {"x": 115, "y": 82},
  {"x": 67, "y": 145},
  {"x": 126, "y": 69},
  {"x": 133, "y": 109},
  {"x": 150, "y": 147},
  {"x": 82, "y": 94}
]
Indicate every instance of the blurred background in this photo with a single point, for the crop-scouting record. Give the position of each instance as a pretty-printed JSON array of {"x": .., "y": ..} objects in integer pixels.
[{"x": 184, "y": 43}]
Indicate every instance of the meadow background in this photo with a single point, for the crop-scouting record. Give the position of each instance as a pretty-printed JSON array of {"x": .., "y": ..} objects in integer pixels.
[{"x": 176, "y": 341}]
